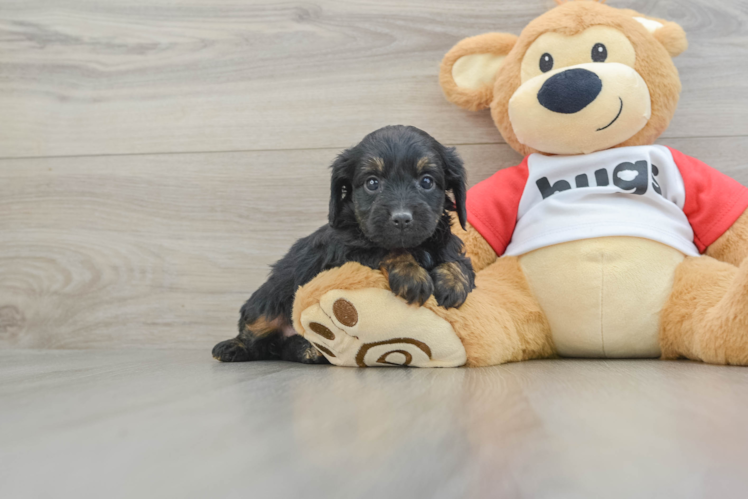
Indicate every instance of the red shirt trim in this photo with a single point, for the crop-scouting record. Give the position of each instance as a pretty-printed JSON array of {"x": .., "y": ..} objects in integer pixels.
[
  {"x": 714, "y": 201},
  {"x": 492, "y": 205}
]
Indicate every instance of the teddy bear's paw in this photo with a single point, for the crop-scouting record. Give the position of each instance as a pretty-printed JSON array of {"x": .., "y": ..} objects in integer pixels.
[{"x": 372, "y": 327}]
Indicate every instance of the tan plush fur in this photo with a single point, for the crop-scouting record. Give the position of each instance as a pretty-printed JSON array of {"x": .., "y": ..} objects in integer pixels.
[
  {"x": 585, "y": 287},
  {"x": 490, "y": 43},
  {"x": 732, "y": 247},
  {"x": 706, "y": 316},
  {"x": 476, "y": 247},
  {"x": 673, "y": 38},
  {"x": 386, "y": 331},
  {"x": 501, "y": 321},
  {"x": 653, "y": 63},
  {"x": 351, "y": 276}
]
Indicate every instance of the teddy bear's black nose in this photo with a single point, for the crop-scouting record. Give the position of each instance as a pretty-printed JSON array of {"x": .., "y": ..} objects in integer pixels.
[{"x": 570, "y": 91}]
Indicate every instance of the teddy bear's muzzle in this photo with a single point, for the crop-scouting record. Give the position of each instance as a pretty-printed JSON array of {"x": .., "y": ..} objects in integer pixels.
[{"x": 580, "y": 109}]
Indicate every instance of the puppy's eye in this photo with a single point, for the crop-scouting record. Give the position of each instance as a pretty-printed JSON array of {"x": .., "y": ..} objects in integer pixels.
[
  {"x": 426, "y": 182},
  {"x": 599, "y": 53},
  {"x": 546, "y": 62},
  {"x": 371, "y": 184}
]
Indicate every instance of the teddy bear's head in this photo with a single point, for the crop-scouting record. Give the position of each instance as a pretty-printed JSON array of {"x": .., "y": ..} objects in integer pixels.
[{"x": 582, "y": 77}]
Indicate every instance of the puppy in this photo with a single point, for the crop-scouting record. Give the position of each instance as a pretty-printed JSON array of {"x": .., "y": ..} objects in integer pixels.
[{"x": 389, "y": 210}]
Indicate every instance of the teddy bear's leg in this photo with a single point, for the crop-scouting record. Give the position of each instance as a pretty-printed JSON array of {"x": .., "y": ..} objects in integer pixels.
[
  {"x": 706, "y": 315},
  {"x": 348, "y": 312},
  {"x": 501, "y": 321},
  {"x": 732, "y": 246}
]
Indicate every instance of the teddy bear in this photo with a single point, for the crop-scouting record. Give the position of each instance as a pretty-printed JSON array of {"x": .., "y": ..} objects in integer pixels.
[{"x": 598, "y": 244}]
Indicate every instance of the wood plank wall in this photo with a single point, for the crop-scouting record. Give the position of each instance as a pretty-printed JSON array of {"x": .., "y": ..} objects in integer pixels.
[{"x": 157, "y": 156}]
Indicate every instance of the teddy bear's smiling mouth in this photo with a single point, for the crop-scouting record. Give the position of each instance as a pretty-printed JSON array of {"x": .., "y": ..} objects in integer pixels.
[{"x": 614, "y": 119}]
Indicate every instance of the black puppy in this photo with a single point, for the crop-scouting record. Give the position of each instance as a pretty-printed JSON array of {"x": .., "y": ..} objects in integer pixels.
[{"x": 388, "y": 210}]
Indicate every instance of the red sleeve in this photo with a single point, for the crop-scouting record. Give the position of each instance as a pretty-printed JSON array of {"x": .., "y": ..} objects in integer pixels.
[
  {"x": 492, "y": 205},
  {"x": 714, "y": 201}
]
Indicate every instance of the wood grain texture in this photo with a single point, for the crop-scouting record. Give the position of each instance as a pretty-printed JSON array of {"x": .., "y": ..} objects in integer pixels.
[
  {"x": 157, "y": 156},
  {"x": 177, "y": 424},
  {"x": 81, "y": 77},
  {"x": 161, "y": 250}
]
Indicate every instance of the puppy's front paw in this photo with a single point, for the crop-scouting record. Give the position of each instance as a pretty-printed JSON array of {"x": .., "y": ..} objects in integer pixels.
[
  {"x": 414, "y": 285},
  {"x": 231, "y": 350},
  {"x": 407, "y": 279},
  {"x": 451, "y": 285},
  {"x": 298, "y": 349}
]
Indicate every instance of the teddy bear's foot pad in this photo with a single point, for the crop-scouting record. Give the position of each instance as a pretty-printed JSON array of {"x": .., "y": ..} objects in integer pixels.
[{"x": 372, "y": 327}]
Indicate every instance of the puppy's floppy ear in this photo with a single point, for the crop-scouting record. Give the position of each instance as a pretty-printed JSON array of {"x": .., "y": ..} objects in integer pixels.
[
  {"x": 468, "y": 71},
  {"x": 456, "y": 179},
  {"x": 341, "y": 187}
]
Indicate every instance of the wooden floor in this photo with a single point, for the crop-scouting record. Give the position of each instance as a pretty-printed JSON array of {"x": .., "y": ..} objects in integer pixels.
[
  {"x": 157, "y": 156},
  {"x": 174, "y": 424}
]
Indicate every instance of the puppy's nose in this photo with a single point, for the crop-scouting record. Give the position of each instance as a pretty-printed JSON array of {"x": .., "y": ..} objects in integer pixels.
[
  {"x": 570, "y": 91},
  {"x": 402, "y": 219}
]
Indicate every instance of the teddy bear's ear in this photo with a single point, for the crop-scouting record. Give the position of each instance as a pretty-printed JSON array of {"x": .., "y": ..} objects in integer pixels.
[
  {"x": 669, "y": 34},
  {"x": 469, "y": 69}
]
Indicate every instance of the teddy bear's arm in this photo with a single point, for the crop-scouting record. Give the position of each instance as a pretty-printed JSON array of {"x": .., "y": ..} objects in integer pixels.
[
  {"x": 732, "y": 246},
  {"x": 476, "y": 247}
]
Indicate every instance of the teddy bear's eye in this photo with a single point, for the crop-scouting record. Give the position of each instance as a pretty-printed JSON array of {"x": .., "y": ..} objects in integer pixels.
[
  {"x": 599, "y": 53},
  {"x": 546, "y": 62}
]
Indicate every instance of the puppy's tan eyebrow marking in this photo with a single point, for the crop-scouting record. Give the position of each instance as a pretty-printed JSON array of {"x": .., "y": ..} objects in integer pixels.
[
  {"x": 377, "y": 164},
  {"x": 423, "y": 163}
]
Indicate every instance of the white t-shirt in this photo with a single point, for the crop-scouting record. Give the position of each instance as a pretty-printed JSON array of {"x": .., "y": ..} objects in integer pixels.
[{"x": 649, "y": 192}]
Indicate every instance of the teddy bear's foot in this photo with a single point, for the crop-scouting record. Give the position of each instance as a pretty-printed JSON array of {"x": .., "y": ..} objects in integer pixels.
[
  {"x": 706, "y": 317},
  {"x": 372, "y": 327}
]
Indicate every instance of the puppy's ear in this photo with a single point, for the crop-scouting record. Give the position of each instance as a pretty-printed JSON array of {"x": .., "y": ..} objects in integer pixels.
[
  {"x": 454, "y": 173},
  {"x": 341, "y": 187}
]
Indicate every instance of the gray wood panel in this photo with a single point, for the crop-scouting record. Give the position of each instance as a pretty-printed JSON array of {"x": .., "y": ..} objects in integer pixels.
[
  {"x": 178, "y": 424},
  {"x": 161, "y": 250},
  {"x": 81, "y": 77},
  {"x": 156, "y": 250},
  {"x": 157, "y": 156}
]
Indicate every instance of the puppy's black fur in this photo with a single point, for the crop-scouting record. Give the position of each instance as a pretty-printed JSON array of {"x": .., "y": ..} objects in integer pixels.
[{"x": 389, "y": 209}]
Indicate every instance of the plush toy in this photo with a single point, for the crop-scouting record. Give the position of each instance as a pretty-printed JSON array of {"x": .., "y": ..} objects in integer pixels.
[{"x": 598, "y": 244}]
